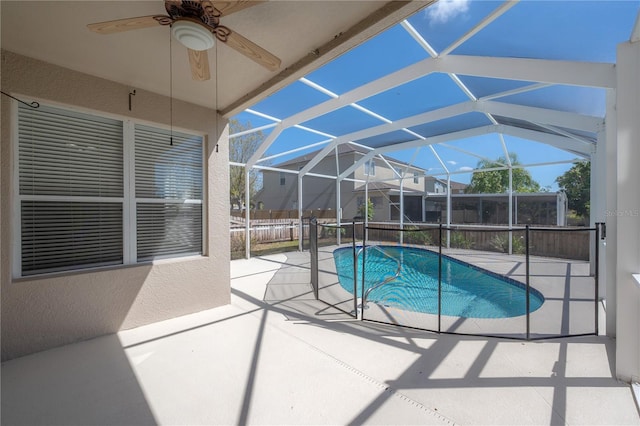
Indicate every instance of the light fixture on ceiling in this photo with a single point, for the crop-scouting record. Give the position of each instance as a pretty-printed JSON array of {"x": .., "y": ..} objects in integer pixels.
[{"x": 192, "y": 35}]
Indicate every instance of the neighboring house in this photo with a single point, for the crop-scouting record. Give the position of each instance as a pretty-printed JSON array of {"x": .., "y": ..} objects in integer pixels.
[{"x": 280, "y": 189}]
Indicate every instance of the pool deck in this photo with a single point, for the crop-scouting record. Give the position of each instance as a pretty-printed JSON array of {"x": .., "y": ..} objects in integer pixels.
[{"x": 277, "y": 356}]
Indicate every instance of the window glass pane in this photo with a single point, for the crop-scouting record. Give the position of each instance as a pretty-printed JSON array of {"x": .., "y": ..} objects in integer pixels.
[
  {"x": 67, "y": 235},
  {"x": 167, "y": 171},
  {"x": 370, "y": 168},
  {"x": 166, "y": 229},
  {"x": 66, "y": 153}
]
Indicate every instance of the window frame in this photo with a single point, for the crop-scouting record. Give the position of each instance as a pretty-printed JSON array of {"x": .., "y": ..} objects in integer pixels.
[{"x": 128, "y": 200}]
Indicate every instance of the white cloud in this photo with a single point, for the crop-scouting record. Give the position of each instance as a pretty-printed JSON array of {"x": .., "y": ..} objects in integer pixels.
[
  {"x": 453, "y": 163},
  {"x": 444, "y": 10},
  {"x": 465, "y": 169}
]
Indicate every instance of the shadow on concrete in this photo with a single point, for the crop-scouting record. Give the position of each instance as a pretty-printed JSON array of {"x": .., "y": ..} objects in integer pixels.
[{"x": 88, "y": 383}]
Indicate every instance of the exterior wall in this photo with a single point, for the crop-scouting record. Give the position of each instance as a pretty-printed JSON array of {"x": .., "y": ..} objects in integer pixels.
[
  {"x": 52, "y": 310},
  {"x": 627, "y": 214},
  {"x": 275, "y": 196},
  {"x": 384, "y": 172}
]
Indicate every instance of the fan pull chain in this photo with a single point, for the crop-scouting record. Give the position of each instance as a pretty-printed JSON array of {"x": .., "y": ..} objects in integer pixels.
[{"x": 170, "y": 90}]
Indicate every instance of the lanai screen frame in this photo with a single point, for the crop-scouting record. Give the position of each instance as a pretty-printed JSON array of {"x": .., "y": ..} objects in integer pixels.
[{"x": 548, "y": 126}]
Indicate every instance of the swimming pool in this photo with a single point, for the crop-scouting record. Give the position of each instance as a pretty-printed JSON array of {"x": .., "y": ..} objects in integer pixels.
[{"x": 412, "y": 275}]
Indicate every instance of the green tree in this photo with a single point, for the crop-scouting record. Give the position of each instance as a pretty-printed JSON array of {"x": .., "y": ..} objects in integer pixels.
[
  {"x": 576, "y": 184},
  {"x": 366, "y": 208},
  {"x": 497, "y": 181},
  {"x": 240, "y": 150}
]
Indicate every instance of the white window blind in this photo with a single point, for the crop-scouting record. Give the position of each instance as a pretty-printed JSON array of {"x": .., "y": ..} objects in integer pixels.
[
  {"x": 65, "y": 153},
  {"x": 167, "y": 171},
  {"x": 70, "y": 190},
  {"x": 168, "y": 229},
  {"x": 168, "y": 193},
  {"x": 59, "y": 236}
]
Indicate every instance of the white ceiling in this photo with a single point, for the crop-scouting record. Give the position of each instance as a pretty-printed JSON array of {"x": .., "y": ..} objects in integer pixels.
[{"x": 55, "y": 32}]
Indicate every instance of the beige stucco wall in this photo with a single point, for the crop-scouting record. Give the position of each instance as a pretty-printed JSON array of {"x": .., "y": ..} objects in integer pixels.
[{"x": 40, "y": 313}]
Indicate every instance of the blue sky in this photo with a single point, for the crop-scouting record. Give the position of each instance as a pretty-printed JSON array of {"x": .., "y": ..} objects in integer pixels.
[{"x": 558, "y": 30}]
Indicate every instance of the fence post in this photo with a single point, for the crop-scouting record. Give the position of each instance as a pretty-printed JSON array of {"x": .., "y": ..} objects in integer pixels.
[
  {"x": 597, "y": 274},
  {"x": 364, "y": 254},
  {"x": 355, "y": 268},
  {"x": 313, "y": 251},
  {"x": 526, "y": 243},
  {"x": 440, "y": 279}
]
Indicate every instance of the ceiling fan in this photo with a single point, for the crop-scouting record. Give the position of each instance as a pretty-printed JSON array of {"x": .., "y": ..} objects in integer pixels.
[{"x": 195, "y": 23}]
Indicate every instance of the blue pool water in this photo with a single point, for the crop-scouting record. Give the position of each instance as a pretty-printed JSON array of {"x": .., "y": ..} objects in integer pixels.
[{"x": 467, "y": 291}]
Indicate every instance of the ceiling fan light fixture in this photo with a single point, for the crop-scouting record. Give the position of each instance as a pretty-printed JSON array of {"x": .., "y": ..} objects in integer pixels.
[{"x": 192, "y": 35}]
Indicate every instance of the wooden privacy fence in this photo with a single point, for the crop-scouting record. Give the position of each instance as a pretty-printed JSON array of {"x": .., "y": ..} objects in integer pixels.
[{"x": 565, "y": 243}]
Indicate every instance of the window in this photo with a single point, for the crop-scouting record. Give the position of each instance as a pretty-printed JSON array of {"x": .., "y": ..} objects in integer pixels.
[
  {"x": 282, "y": 178},
  {"x": 416, "y": 177},
  {"x": 76, "y": 208},
  {"x": 370, "y": 168},
  {"x": 168, "y": 170}
]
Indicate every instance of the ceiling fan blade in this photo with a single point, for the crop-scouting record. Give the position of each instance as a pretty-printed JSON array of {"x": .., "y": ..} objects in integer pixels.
[
  {"x": 199, "y": 61},
  {"x": 119, "y": 25},
  {"x": 229, "y": 7},
  {"x": 253, "y": 51}
]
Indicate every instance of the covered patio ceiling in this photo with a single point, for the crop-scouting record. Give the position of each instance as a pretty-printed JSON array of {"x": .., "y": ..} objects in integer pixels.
[
  {"x": 456, "y": 83},
  {"x": 302, "y": 34}
]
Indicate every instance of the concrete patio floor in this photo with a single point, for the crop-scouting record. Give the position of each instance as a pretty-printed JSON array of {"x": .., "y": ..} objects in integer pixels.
[{"x": 277, "y": 356}]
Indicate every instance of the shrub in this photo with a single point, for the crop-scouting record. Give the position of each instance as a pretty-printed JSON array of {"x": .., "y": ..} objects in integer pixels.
[
  {"x": 237, "y": 245},
  {"x": 415, "y": 236},
  {"x": 331, "y": 232},
  {"x": 501, "y": 243},
  {"x": 458, "y": 240}
]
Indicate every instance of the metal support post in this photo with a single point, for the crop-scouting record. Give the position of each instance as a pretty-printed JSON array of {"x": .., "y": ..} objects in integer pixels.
[
  {"x": 597, "y": 275},
  {"x": 526, "y": 242},
  {"x": 440, "y": 280},
  {"x": 355, "y": 268},
  {"x": 364, "y": 258}
]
